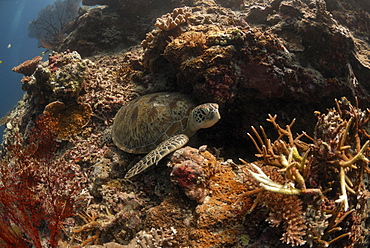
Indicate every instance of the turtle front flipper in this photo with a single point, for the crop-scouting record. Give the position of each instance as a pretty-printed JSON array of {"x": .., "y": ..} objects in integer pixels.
[{"x": 153, "y": 157}]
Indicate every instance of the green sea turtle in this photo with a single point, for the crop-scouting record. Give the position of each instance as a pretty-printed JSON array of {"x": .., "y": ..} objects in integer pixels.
[{"x": 159, "y": 124}]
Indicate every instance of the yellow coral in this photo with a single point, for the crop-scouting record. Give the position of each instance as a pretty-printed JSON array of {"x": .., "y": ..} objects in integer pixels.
[{"x": 71, "y": 119}]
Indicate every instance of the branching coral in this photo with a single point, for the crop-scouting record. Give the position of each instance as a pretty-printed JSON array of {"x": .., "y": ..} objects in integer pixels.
[
  {"x": 38, "y": 190},
  {"x": 285, "y": 207},
  {"x": 330, "y": 166},
  {"x": 156, "y": 238}
]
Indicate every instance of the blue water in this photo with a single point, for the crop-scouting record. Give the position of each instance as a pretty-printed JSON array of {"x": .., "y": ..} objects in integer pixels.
[{"x": 14, "y": 18}]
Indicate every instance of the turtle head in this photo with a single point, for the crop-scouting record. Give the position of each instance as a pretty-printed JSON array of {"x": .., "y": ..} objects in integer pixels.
[{"x": 203, "y": 116}]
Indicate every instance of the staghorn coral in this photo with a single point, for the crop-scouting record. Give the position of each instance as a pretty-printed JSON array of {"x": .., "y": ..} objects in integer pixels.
[
  {"x": 174, "y": 19},
  {"x": 331, "y": 168},
  {"x": 71, "y": 119},
  {"x": 284, "y": 209},
  {"x": 28, "y": 67}
]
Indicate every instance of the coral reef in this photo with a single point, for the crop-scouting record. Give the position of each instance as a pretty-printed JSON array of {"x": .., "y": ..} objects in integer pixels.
[
  {"x": 217, "y": 220},
  {"x": 28, "y": 67},
  {"x": 110, "y": 26},
  {"x": 269, "y": 55},
  {"x": 290, "y": 58},
  {"x": 60, "y": 78}
]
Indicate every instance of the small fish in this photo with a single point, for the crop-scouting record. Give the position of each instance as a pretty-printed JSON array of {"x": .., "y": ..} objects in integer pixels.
[
  {"x": 43, "y": 53},
  {"x": 1, "y": 61},
  {"x": 9, "y": 46}
]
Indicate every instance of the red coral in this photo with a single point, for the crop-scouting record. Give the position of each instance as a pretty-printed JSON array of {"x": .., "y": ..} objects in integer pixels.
[
  {"x": 186, "y": 174},
  {"x": 35, "y": 188},
  {"x": 54, "y": 64},
  {"x": 28, "y": 67}
]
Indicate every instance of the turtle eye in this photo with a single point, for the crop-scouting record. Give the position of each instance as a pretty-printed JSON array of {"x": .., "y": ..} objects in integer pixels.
[{"x": 203, "y": 112}]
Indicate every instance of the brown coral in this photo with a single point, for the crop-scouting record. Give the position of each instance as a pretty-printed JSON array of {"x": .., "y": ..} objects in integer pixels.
[
  {"x": 218, "y": 221},
  {"x": 28, "y": 67},
  {"x": 71, "y": 119},
  {"x": 174, "y": 19}
]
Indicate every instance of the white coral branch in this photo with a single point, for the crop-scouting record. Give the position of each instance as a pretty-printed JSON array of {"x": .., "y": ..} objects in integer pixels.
[{"x": 272, "y": 186}]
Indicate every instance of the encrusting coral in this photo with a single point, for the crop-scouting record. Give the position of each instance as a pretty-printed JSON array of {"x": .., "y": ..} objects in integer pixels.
[{"x": 187, "y": 171}]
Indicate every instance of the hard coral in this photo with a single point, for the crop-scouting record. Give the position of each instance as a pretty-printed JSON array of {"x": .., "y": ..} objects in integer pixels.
[
  {"x": 189, "y": 174},
  {"x": 156, "y": 238},
  {"x": 329, "y": 174},
  {"x": 71, "y": 119},
  {"x": 284, "y": 209},
  {"x": 60, "y": 78},
  {"x": 218, "y": 220},
  {"x": 174, "y": 19},
  {"x": 28, "y": 67}
]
